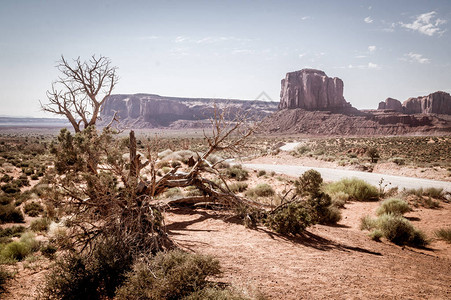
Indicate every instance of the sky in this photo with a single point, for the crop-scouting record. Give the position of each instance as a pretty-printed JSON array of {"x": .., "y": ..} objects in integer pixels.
[{"x": 227, "y": 49}]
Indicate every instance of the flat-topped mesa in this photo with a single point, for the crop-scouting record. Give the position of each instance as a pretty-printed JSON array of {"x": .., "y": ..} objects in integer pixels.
[
  {"x": 435, "y": 103},
  {"x": 312, "y": 90},
  {"x": 391, "y": 104}
]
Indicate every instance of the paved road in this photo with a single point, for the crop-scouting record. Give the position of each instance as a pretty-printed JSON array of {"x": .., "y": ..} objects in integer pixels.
[{"x": 372, "y": 178}]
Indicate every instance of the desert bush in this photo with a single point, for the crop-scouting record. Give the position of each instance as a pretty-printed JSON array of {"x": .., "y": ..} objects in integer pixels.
[
  {"x": 373, "y": 153},
  {"x": 5, "y": 199},
  {"x": 400, "y": 231},
  {"x": 367, "y": 223},
  {"x": 261, "y": 190},
  {"x": 216, "y": 293},
  {"x": 398, "y": 160},
  {"x": 10, "y": 214},
  {"x": 15, "y": 251},
  {"x": 309, "y": 183},
  {"x": 238, "y": 187},
  {"x": 11, "y": 188},
  {"x": 89, "y": 276},
  {"x": 237, "y": 172},
  {"x": 393, "y": 206},
  {"x": 436, "y": 193},
  {"x": 261, "y": 173},
  {"x": 13, "y": 231},
  {"x": 376, "y": 235},
  {"x": 291, "y": 219},
  {"x": 49, "y": 251},
  {"x": 41, "y": 224},
  {"x": 171, "y": 275},
  {"x": 33, "y": 209},
  {"x": 301, "y": 150},
  {"x": 6, "y": 178},
  {"x": 444, "y": 234},
  {"x": 357, "y": 189},
  {"x": 339, "y": 199},
  {"x": 332, "y": 215},
  {"x": 4, "y": 276}
]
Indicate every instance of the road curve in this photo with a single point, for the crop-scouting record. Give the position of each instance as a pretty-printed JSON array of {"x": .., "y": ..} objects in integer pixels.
[{"x": 373, "y": 178}]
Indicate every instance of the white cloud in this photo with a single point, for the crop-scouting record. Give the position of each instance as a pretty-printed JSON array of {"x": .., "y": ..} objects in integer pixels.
[
  {"x": 243, "y": 51},
  {"x": 301, "y": 55},
  {"x": 361, "y": 56},
  {"x": 427, "y": 24},
  {"x": 415, "y": 57},
  {"x": 305, "y": 18},
  {"x": 372, "y": 48},
  {"x": 370, "y": 65},
  {"x": 373, "y": 66},
  {"x": 181, "y": 39},
  {"x": 368, "y": 20}
]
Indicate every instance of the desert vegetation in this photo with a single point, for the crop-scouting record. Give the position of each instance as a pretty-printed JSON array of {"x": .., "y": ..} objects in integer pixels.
[{"x": 88, "y": 208}]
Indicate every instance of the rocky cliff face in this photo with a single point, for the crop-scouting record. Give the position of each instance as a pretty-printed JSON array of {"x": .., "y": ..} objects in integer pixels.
[
  {"x": 149, "y": 111},
  {"x": 391, "y": 104},
  {"x": 435, "y": 103},
  {"x": 312, "y": 90}
]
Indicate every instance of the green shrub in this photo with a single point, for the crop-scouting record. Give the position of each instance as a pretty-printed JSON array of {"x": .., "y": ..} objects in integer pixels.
[
  {"x": 291, "y": 219},
  {"x": 5, "y": 199},
  {"x": 94, "y": 276},
  {"x": 432, "y": 192},
  {"x": 33, "y": 209},
  {"x": 11, "y": 188},
  {"x": 357, "y": 189},
  {"x": 400, "y": 231},
  {"x": 309, "y": 183},
  {"x": 367, "y": 223},
  {"x": 393, "y": 206},
  {"x": 41, "y": 224},
  {"x": 332, "y": 215},
  {"x": 13, "y": 231},
  {"x": 261, "y": 190},
  {"x": 237, "y": 172},
  {"x": 15, "y": 251},
  {"x": 339, "y": 199},
  {"x": 71, "y": 279},
  {"x": 376, "y": 235},
  {"x": 238, "y": 187},
  {"x": 261, "y": 173},
  {"x": 171, "y": 275},
  {"x": 444, "y": 234},
  {"x": 9, "y": 214}
]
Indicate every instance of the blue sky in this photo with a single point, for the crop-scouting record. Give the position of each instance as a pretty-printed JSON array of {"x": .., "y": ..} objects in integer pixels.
[{"x": 228, "y": 49}]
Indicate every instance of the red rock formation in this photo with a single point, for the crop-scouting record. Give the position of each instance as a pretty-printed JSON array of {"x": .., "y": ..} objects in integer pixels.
[
  {"x": 391, "y": 104},
  {"x": 313, "y": 90},
  {"x": 435, "y": 103}
]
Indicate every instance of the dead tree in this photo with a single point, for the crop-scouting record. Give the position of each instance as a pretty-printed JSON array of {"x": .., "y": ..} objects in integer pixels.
[
  {"x": 81, "y": 90},
  {"x": 116, "y": 200}
]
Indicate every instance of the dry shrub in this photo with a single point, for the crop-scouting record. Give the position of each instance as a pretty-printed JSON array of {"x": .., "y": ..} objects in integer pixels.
[
  {"x": 261, "y": 190},
  {"x": 357, "y": 189},
  {"x": 393, "y": 206},
  {"x": 444, "y": 234},
  {"x": 171, "y": 275},
  {"x": 396, "y": 229},
  {"x": 237, "y": 172}
]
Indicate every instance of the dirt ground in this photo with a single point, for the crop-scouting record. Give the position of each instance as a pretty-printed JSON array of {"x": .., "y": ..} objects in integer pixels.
[
  {"x": 388, "y": 168},
  {"x": 339, "y": 262}
]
